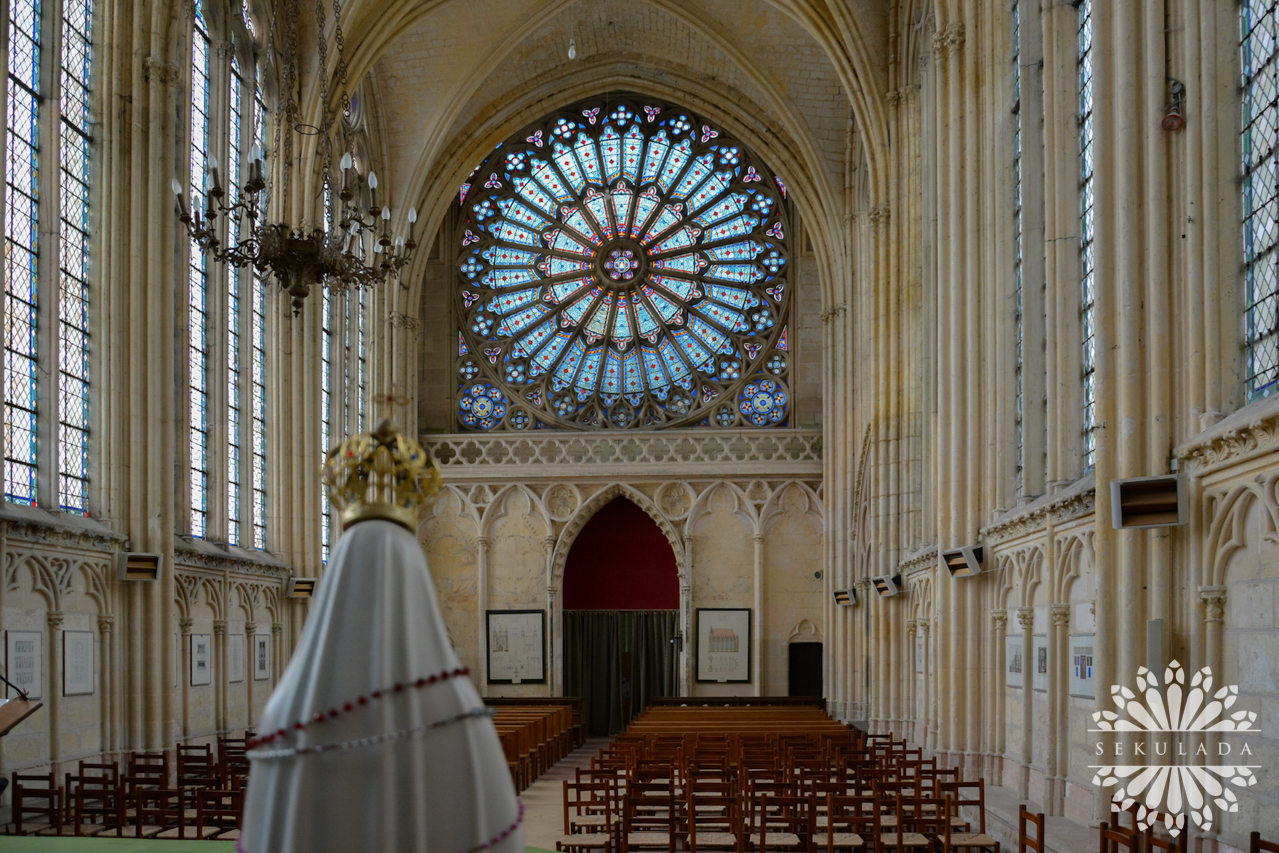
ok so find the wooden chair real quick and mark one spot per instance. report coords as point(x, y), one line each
point(714, 823)
point(648, 816)
point(160, 811)
point(97, 799)
point(850, 825)
point(1114, 837)
point(897, 837)
point(36, 795)
point(929, 817)
point(785, 823)
point(1256, 845)
point(965, 839)
point(588, 819)
point(1026, 842)
point(217, 813)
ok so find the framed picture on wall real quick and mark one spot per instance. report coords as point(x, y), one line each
point(723, 645)
point(235, 658)
point(201, 666)
point(516, 646)
point(77, 663)
point(1013, 664)
point(1081, 660)
point(1039, 648)
point(24, 662)
point(261, 657)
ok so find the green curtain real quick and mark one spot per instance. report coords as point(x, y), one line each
point(594, 643)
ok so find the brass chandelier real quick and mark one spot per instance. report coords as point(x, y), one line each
point(352, 247)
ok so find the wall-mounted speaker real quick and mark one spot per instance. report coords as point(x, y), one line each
point(845, 597)
point(140, 567)
point(963, 562)
point(300, 587)
point(1142, 502)
point(887, 585)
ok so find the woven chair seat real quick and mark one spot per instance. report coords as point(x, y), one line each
point(592, 839)
point(910, 840)
point(846, 840)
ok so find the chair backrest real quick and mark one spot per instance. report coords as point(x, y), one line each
point(36, 795)
point(966, 794)
point(108, 769)
point(714, 814)
point(1115, 837)
point(160, 807)
point(1036, 822)
point(590, 798)
point(794, 815)
point(638, 814)
point(1256, 845)
point(219, 810)
point(928, 816)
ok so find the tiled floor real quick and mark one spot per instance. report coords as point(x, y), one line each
point(544, 799)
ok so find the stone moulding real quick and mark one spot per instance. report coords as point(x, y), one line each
point(1075, 502)
point(789, 453)
point(1251, 431)
point(924, 560)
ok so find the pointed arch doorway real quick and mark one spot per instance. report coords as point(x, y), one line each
point(621, 616)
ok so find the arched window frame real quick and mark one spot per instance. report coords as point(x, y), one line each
point(49, 76)
point(1087, 261)
point(227, 329)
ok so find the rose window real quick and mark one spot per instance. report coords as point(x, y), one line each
point(622, 265)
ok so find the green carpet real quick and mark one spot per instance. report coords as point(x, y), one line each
point(14, 844)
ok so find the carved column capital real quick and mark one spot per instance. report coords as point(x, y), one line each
point(999, 619)
point(277, 628)
point(758, 538)
point(1026, 618)
point(924, 627)
point(250, 628)
point(159, 71)
point(949, 40)
point(55, 618)
point(184, 624)
point(219, 627)
point(106, 622)
point(1061, 614)
point(879, 215)
point(483, 541)
point(400, 320)
point(1214, 601)
point(911, 627)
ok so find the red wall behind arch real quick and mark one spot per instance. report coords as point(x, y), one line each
point(621, 561)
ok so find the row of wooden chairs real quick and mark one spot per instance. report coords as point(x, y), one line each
point(200, 796)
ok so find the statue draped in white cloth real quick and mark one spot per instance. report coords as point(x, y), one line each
point(375, 738)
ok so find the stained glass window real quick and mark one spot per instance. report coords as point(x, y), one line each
point(1087, 262)
point(1017, 242)
point(234, 306)
point(198, 278)
point(1260, 29)
point(623, 264)
point(258, 366)
point(73, 333)
point(21, 239)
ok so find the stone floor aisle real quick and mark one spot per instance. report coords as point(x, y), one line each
point(544, 799)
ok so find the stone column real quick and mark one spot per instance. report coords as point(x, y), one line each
point(554, 658)
point(687, 658)
point(184, 676)
point(911, 712)
point(1055, 763)
point(106, 703)
point(1214, 602)
point(1026, 619)
point(481, 601)
point(220, 676)
point(53, 693)
point(757, 639)
point(277, 652)
point(999, 671)
point(250, 631)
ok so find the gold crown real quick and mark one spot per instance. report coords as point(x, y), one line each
point(382, 474)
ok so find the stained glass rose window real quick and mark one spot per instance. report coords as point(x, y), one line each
point(623, 264)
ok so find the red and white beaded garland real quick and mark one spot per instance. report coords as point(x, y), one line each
point(370, 740)
point(355, 704)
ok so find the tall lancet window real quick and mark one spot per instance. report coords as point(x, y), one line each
point(22, 239)
point(1018, 246)
point(43, 269)
point(1087, 261)
point(227, 308)
point(198, 285)
point(1260, 114)
point(326, 415)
